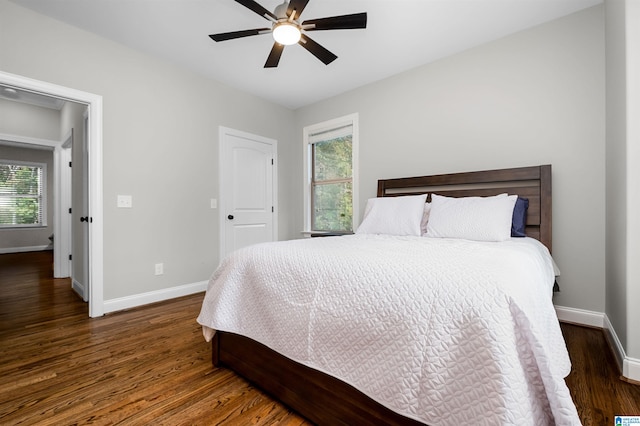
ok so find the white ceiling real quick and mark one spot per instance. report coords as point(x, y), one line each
point(400, 35)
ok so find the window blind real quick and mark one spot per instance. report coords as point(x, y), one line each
point(330, 134)
point(21, 194)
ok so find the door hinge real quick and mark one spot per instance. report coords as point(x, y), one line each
point(69, 163)
point(272, 161)
point(70, 257)
point(272, 209)
point(69, 209)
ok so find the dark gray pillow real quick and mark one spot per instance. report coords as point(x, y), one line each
point(519, 221)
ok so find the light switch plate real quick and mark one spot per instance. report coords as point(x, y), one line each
point(214, 203)
point(125, 201)
point(159, 268)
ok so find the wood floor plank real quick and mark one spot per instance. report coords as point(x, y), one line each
point(150, 365)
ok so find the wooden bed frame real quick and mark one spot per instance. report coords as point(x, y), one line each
point(326, 400)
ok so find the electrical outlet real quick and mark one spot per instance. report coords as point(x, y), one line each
point(159, 268)
point(125, 201)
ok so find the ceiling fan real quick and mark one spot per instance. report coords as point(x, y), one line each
point(287, 29)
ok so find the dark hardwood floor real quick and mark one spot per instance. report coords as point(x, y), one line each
point(143, 366)
point(595, 384)
point(150, 365)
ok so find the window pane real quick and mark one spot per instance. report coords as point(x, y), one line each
point(24, 180)
point(332, 159)
point(20, 194)
point(332, 207)
point(19, 211)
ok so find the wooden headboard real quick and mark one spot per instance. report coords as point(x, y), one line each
point(533, 183)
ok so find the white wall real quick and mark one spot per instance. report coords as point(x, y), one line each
point(160, 145)
point(633, 167)
point(623, 175)
point(29, 120)
point(616, 169)
point(536, 97)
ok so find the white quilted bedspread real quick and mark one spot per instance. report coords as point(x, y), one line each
point(444, 331)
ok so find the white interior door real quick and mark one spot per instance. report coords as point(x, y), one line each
point(80, 214)
point(247, 190)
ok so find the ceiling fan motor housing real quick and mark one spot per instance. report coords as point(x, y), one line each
point(281, 10)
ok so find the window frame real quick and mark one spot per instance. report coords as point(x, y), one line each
point(42, 196)
point(326, 126)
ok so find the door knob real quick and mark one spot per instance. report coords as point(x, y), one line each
point(84, 219)
point(230, 217)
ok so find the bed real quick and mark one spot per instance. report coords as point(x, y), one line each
point(376, 336)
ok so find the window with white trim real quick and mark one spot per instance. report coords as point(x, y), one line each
point(331, 175)
point(22, 194)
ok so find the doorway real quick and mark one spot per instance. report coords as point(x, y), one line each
point(94, 152)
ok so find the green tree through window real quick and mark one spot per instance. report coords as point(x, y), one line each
point(21, 195)
point(332, 185)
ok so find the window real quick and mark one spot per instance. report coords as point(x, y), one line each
point(22, 194)
point(330, 170)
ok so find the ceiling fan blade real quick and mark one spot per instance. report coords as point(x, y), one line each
point(343, 22)
point(250, 4)
point(298, 6)
point(316, 50)
point(238, 34)
point(274, 55)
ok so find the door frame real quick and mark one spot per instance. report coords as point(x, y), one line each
point(94, 145)
point(224, 132)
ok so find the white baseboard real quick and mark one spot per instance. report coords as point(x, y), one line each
point(136, 300)
point(24, 249)
point(630, 367)
point(78, 288)
point(580, 316)
point(614, 342)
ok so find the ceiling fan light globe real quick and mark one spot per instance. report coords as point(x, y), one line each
point(286, 34)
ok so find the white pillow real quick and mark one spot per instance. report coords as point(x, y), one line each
point(471, 218)
point(393, 215)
